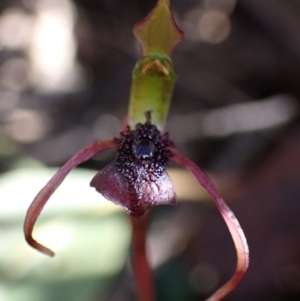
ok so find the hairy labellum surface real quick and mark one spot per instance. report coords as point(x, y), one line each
point(137, 179)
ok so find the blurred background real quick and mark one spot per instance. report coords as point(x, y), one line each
point(65, 72)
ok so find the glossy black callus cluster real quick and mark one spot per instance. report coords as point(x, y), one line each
point(137, 179)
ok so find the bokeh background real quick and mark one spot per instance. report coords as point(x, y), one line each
point(65, 69)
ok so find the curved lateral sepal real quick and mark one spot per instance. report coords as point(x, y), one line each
point(233, 225)
point(43, 196)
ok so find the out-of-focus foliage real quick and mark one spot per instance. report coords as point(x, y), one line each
point(90, 237)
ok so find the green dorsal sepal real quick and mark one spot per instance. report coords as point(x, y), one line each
point(158, 31)
point(152, 86)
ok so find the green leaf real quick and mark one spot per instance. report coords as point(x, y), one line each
point(158, 31)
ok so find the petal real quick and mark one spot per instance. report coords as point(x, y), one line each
point(43, 196)
point(159, 192)
point(233, 225)
point(138, 199)
point(112, 186)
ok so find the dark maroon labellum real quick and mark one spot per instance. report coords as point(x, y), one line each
point(137, 179)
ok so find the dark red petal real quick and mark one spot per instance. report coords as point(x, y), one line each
point(114, 187)
point(233, 225)
point(43, 196)
point(159, 192)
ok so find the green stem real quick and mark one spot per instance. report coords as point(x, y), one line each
point(142, 270)
point(152, 86)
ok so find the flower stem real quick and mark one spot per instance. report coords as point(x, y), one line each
point(142, 271)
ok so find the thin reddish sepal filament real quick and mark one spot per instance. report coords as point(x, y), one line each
point(43, 196)
point(233, 225)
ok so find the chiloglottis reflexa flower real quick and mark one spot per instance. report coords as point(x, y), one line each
point(137, 179)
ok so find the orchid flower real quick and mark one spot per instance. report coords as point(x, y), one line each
point(137, 179)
